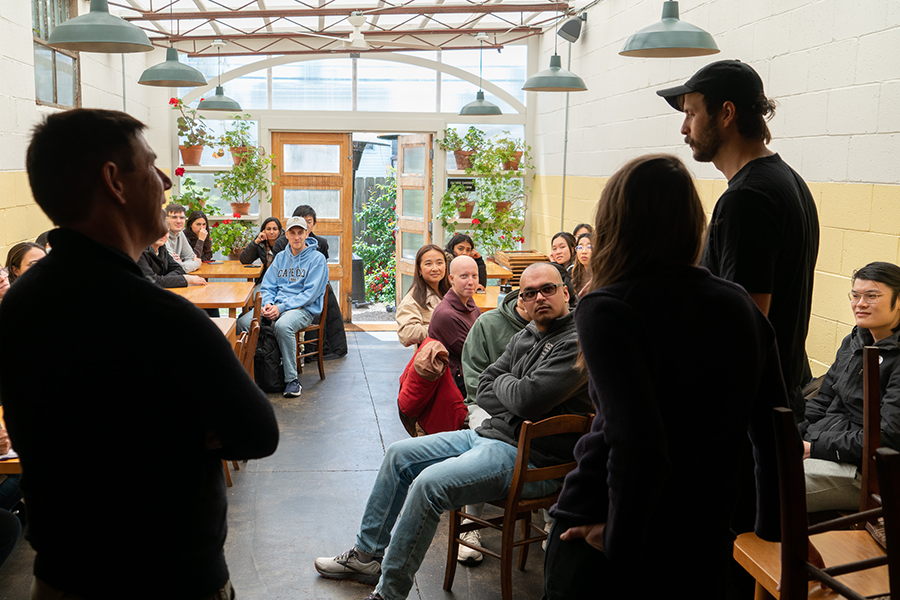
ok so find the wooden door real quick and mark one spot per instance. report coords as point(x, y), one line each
point(414, 157)
point(317, 169)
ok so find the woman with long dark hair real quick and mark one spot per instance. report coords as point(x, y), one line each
point(562, 250)
point(462, 245)
point(263, 247)
point(682, 366)
point(581, 272)
point(430, 283)
point(197, 233)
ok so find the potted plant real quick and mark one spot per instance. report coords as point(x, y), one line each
point(463, 147)
point(497, 225)
point(247, 178)
point(455, 204)
point(230, 236)
point(236, 138)
point(510, 153)
point(193, 197)
point(192, 130)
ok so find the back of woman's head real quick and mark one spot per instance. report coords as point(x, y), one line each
point(649, 217)
point(420, 288)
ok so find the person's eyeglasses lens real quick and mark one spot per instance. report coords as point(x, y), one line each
point(870, 298)
point(546, 291)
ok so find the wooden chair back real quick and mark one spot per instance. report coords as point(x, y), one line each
point(887, 463)
point(250, 347)
point(871, 427)
point(516, 508)
point(319, 340)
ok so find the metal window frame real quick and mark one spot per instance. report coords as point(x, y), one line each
point(61, 9)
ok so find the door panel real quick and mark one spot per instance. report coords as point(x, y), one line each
point(317, 169)
point(413, 205)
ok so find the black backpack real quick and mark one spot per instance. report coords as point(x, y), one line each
point(267, 366)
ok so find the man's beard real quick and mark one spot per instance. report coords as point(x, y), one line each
point(707, 146)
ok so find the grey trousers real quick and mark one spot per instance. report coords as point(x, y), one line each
point(831, 485)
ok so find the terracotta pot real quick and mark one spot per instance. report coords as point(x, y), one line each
point(513, 163)
point(241, 208)
point(190, 155)
point(235, 154)
point(466, 212)
point(463, 159)
point(502, 206)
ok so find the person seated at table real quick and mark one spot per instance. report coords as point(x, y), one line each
point(462, 245)
point(309, 214)
point(534, 379)
point(582, 228)
point(833, 428)
point(178, 244)
point(197, 234)
point(659, 420)
point(292, 296)
point(159, 267)
point(43, 240)
point(262, 248)
point(456, 313)
point(430, 284)
point(581, 273)
point(22, 257)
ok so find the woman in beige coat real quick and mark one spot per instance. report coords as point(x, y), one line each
point(430, 283)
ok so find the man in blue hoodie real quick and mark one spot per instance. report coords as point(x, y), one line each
point(292, 292)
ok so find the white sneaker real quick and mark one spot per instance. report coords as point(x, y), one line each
point(467, 554)
point(547, 525)
point(348, 566)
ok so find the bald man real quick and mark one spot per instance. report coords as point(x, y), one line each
point(533, 379)
point(454, 316)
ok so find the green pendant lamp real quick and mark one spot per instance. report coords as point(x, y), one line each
point(219, 101)
point(172, 73)
point(480, 106)
point(555, 79)
point(99, 31)
point(670, 38)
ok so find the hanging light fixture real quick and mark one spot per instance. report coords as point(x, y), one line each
point(480, 106)
point(172, 73)
point(555, 79)
point(219, 101)
point(99, 31)
point(670, 38)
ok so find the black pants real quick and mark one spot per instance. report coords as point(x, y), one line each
point(576, 570)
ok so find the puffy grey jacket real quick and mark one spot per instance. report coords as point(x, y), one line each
point(834, 418)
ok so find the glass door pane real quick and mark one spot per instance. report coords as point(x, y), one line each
point(312, 158)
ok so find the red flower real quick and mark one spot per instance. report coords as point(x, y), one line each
point(226, 222)
point(202, 99)
point(173, 101)
point(236, 215)
point(475, 222)
point(179, 171)
point(216, 224)
point(502, 237)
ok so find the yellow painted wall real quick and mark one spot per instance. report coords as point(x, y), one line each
point(859, 223)
point(21, 220)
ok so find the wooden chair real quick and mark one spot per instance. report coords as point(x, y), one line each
point(250, 347)
point(241, 346)
point(853, 554)
point(871, 428)
point(319, 327)
point(516, 508)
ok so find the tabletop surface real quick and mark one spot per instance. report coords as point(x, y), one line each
point(218, 294)
point(495, 271)
point(228, 269)
point(227, 326)
point(11, 466)
point(488, 300)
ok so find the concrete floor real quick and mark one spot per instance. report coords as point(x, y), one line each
point(307, 499)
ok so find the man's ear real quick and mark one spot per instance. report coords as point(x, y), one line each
point(727, 114)
point(112, 181)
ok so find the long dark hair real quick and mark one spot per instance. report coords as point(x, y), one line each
point(420, 288)
point(17, 254)
point(459, 238)
point(649, 217)
point(580, 271)
point(266, 222)
point(192, 237)
point(570, 242)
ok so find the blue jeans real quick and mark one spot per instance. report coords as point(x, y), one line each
point(426, 476)
point(286, 327)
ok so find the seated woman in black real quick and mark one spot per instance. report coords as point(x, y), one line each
point(197, 234)
point(462, 245)
point(263, 247)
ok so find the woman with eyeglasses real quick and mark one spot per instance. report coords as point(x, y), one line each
point(682, 367)
point(832, 431)
point(581, 273)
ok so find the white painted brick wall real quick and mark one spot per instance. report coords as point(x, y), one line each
point(832, 67)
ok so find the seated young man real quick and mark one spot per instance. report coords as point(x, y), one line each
point(292, 292)
point(534, 379)
point(160, 268)
point(833, 429)
point(454, 316)
point(178, 244)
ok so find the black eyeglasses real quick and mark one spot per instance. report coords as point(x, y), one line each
point(546, 291)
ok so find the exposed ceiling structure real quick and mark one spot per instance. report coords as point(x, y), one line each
point(253, 27)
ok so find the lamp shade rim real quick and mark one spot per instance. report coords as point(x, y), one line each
point(219, 101)
point(99, 31)
point(172, 73)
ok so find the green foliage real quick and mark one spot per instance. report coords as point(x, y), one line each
point(238, 134)
point(473, 140)
point(230, 235)
point(452, 203)
point(191, 127)
point(380, 214)
point(193, 197)
point(250, 176)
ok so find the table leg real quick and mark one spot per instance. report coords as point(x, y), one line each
point(232, 312)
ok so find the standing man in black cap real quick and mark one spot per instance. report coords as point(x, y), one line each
point(764, 231)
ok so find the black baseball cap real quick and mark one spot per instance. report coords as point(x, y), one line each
point(725, 80)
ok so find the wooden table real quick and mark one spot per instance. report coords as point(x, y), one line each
point(218, 294)
point(495, 271)
point(229, 269)
point(488, 300)
point(11, 466)
point(227, 326)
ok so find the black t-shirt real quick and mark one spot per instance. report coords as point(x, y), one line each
point(764, 235)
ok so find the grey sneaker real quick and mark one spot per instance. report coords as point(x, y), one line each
point(292, 389)
point(374, 596)
point(467, 554)
point(348, 566)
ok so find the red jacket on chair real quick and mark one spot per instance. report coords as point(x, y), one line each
point(428, 392)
